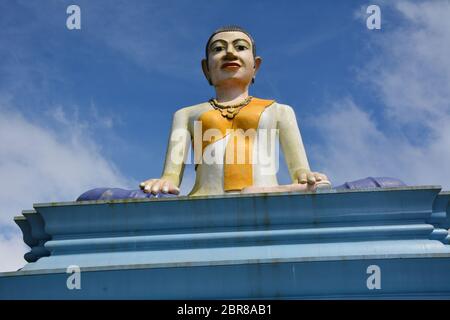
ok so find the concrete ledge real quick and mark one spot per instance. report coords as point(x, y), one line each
point(239, 246)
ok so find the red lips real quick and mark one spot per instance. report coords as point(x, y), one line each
point(231, 65)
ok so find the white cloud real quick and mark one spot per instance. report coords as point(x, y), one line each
point(361, 13)
point(355, 147)
point(411, 141)
point(12, 250)
point(39, 164)
point(413, 71)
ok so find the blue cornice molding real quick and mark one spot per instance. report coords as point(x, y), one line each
point(177, 236)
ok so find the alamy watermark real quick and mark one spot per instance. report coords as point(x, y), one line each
point(73, 21)
point(74, 280)
point(374, 280)
point(374, 20)
point(234, 146)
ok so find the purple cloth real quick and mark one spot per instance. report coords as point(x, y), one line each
point(117, 193)
point(372, 182)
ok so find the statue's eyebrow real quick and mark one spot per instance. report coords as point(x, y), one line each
point(224, 42)
point(237, 40)
point(218, 40)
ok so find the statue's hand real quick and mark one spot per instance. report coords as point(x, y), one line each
point(305, 176)
point(156, 186)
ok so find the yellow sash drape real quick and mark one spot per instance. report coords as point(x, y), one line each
point(238, 169)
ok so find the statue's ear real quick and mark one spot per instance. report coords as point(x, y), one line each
point(206, 70)
point(258, 61)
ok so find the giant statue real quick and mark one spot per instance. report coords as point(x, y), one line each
point(230, 127)
point(234, 136)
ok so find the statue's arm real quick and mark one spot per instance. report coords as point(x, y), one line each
point(176, 153)
point(178, 147)
point(291, 142)
point(293, 148)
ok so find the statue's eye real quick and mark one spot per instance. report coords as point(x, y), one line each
point(217, 49)
point(241, 48)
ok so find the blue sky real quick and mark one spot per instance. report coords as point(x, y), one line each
point(93, 107)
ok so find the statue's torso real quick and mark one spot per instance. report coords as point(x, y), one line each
point(210, 178)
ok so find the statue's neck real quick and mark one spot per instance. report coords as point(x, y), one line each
point(231, 95)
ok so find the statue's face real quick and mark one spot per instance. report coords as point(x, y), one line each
point(230, 59)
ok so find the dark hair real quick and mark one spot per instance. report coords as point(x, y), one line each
point(228, 29)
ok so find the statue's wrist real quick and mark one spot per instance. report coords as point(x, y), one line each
point(174, 180)
point(300, 171)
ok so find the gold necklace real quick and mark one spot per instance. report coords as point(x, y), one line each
point(229, 111)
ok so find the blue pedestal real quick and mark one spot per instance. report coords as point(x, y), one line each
point(378, 243)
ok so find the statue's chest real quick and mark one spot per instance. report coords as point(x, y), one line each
point(244, 120)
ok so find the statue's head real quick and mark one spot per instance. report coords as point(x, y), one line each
point(230, 57)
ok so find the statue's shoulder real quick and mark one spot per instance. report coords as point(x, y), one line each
point(281, 109)
point(281, 106)
point(193, 110)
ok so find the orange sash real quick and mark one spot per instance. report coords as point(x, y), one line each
point(238, 168)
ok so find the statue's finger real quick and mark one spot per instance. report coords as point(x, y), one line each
point(318, 176)
point(148, 188)
point(303, 178)
point(173, 189)
point(156, 187)
point(148, 185)
point(165, 187)
point(311, 178)
point(145, 183)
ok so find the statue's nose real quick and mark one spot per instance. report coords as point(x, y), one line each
point(231, 54)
